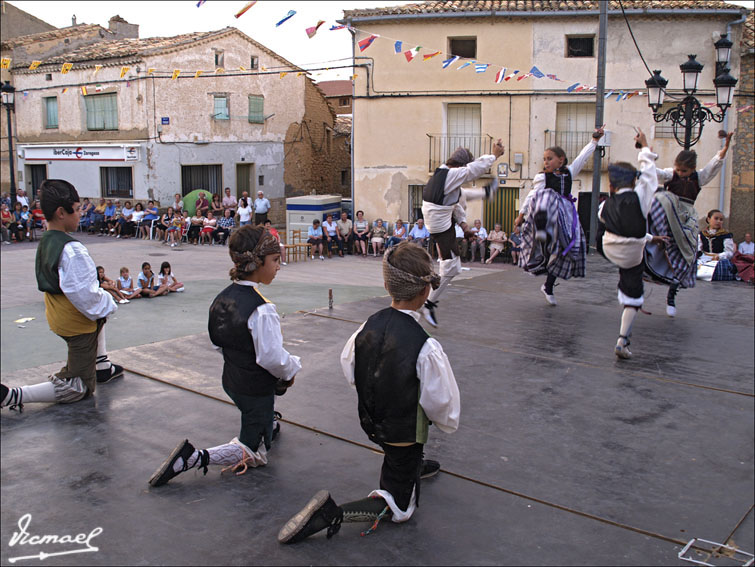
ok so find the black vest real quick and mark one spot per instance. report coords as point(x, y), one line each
point(385, 373)
point(623, 216)
point(434, 190)
point(48, 260)
point(714, 244)
point(685, 188)
point(228, 328)
point(561, 184)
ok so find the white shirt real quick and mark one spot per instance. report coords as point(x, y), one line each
point(481, 233)
point(704, 175)
point(245, 213)
point(574, 168)
point(78, 281)
point(163, 279)
point(439, 394)
point(727, 254)
point(265, 327)
point(23, 200)
point(747, 248)
point(331, 228)
point(261, 206)
point(438, 218)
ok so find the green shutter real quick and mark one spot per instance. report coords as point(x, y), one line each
point(256, 109)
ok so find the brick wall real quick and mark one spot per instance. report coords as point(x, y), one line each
point(742, 181)
point(315, 155)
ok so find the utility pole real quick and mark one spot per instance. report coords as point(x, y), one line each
point(599, 103)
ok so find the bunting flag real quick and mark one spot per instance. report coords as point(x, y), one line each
point(511, 76)
point(300, 73)
point(283, 74)
point(84, 90)
point(537, 73)
point(291, 14)
point(219, 70)
point(35, 64)
point(65, 68)
point(481, 67)
point(365, 43)
point(409, 55)
point(499, 75)
point(572, 87)
point(242, 69)
point(397, 47)
point(450, 61)
point(200, 3)
point(245, 8)
point(65, 90)
point(313, 30)
point(96, 70)
point(618, 97)
point(334, 28)
point(580, 88)
point(554, 78)
point(150, 71)
point(463, 65)
point(198, 73)
point(98, 88)
point(609, 93)
point(176, 72)
point(124, 70)
point(522, 77)
point(5, 63)
point(430, 56)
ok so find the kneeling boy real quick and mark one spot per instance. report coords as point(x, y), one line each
point(403, 381)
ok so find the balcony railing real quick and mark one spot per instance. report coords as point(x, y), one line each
point(443, 145)
point(572, 143)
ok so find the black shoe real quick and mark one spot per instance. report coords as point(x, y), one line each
point(428, 310)
point(429, 468)
point(319, 513)
point(106, 374)
point(281, 387)
point(184, 450)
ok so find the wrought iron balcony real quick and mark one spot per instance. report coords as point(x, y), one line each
point(572, 143)
point(443, 145)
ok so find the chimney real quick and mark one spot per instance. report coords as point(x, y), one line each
point(73, 20)
point(121, 29)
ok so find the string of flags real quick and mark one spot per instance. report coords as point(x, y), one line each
point(399, 46)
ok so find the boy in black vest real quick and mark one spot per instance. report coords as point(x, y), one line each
point(75, 305)
point(246, 328)
point(623, 232)
point(403, 381)
point(444, 203)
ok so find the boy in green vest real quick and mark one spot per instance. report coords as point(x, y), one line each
point(75, 305)
point(403, 381)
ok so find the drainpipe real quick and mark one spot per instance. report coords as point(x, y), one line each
point(722, 180)
point(353, 114)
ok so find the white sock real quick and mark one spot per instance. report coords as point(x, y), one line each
point(627, 318)
point(103, 362)
point(435, 294)
point(35, 394)
point(228, 454)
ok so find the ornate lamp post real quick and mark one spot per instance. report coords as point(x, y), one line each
point(9, 94)
point(689, 116)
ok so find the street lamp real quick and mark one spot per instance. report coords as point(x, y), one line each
point(688, 117)
point(9, 96)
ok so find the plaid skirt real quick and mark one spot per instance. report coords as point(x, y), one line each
point(658, 225)
point(554, 256)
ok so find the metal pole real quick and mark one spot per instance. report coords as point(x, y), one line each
point(687, 122)
point(10, 162)
point(599, 103)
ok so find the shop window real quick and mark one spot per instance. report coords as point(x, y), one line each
point(117, 182)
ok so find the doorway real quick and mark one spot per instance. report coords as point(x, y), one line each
point(245, 180)
point(36, 174)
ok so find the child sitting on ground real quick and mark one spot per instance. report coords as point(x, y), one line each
point(147, 281)
point(246, 328)
point(126, 286)
point(166, 277)
point(109, 286)
point(404, 381)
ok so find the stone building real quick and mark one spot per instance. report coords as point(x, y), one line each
point(742, 216)
point(146, 118)
point(338, 94)
point(409, 113)
point(27, 38)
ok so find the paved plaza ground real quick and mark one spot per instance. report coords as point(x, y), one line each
point(564, 455)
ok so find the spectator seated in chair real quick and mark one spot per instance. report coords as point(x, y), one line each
point(419, 234)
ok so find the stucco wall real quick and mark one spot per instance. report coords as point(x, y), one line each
point(742, 217)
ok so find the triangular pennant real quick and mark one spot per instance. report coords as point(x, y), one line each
point(450, 61)
point(150, 71)
point(242, 69)
point(397, 47)
point(245, 8)
point(35, 64)
point(219, 70)
point(365, 43)
point(283, 74)
point(511, 75)
point(572, 87)
point(521, 77)
point(176, 72)
point(124, 70)
point(96, 70)
point(409, 55)
point(334, 28)
point(5, 63)
point(463, 65)
point(84, 90)
point(198, 73)
point(313, 30)
point(291, 14)
point(430, 56)
point(481, 67)
point(499, 75)
point(65, 68)
point(537, 73)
